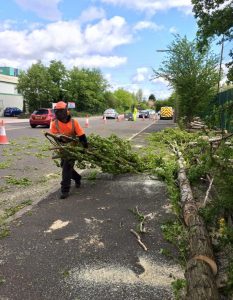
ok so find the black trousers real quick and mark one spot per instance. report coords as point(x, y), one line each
point(68, 173)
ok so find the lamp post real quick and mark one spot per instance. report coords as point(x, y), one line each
point(164, 50)
point(176, 102)
point(221, 113)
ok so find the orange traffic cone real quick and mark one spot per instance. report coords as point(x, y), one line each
point(87, 122)
point(3, 137)
point(143, 118)
point(105, 120)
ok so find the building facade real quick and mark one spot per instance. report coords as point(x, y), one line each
point(9, 96)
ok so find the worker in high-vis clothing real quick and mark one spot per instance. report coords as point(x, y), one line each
point(63, 124)
point(135, 112)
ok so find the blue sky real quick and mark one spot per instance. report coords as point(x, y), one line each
point(118, 36)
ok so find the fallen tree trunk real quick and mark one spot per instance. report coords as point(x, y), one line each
point(201, 267)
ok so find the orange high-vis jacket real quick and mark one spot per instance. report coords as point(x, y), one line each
point(71, 128)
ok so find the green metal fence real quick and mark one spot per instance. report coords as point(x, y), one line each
point(220, 111)
point(224, 103)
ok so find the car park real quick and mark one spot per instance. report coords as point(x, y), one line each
point(42, 116)
point(110, 113)
point(12, 111)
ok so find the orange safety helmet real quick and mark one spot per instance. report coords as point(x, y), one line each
point(60, 105)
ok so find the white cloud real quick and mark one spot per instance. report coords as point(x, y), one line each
point(173, 29)
point(67, 41)
point(7, 24)
point(141, 75)
point(108, 34)
point(92, 13)
point(96, 61)
point(162, 94)
point(224, 73)
point(187, 10)
point(147, 25)
point(152, 6)
point(161, 88)
point(16, 63)
point(160, 80)
point(108, 77)
point(44, 9)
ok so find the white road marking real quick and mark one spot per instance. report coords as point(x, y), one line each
point(16, 128)
point(134, 135)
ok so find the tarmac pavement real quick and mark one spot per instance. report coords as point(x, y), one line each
point(9, 120)
point(82, 247)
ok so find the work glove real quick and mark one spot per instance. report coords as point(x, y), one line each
point(83, 141)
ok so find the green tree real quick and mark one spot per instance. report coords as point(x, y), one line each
point(41, 86)
point(58, 75)
point(193, 76)
point(152, 97)
point(160, 103)
point(86, 87)
point(111, 100)
point(215, 18)
point(125, 99)
point(143, 105)
point(152, 101)
point(35, 86)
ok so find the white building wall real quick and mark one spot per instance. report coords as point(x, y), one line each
point(10, 101)
point(8, 88)
point(9, 96)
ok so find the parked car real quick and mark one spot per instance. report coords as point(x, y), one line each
point(128, 116)
point(144, 114)
point(12, 111)
point(151, 112)
point(110, 114)
point(42, 116)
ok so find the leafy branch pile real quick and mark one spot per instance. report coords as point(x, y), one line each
point(204, 160)
point(209, 166)
point(112, 155)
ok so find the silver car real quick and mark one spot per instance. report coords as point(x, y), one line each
point(110, 114)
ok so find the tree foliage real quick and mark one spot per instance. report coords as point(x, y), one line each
point(152, 97)
point(125, 99)
point(86, 87)
point(215, 18)
point(111, 154)
point(41, 86)
point(36, 87)
point(192, 74)
point(58, 75)
point(168, 102)
point(139, 95)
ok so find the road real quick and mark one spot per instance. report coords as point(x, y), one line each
point(82, 248)
point(97, 125)
point(27, 171)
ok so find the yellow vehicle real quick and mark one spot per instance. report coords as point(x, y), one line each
point(166, 113)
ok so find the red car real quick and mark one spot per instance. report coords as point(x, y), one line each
point(42, 116)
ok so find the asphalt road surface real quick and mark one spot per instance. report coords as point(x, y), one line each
point(97, 125)
point(82, 248)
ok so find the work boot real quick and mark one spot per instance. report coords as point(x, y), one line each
point(64, 195)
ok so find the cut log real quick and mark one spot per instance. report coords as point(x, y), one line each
point(201, 268)
point(203, 282)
